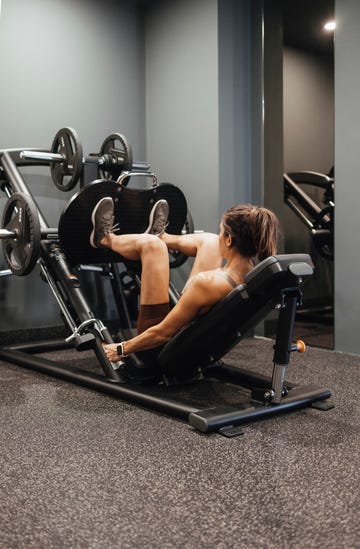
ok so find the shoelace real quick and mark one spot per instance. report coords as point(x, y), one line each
point(160, 223)
point(114, 228)
point(107, 225)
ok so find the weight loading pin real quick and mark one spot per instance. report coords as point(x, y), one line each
point(299, 346)
point(4, 233)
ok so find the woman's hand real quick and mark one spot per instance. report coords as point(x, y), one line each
point(111, 352)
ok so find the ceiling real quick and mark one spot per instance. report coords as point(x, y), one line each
point(303, 22)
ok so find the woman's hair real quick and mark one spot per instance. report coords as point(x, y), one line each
point(254, 230)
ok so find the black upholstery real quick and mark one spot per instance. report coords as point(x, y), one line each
point(210, 337)
point(131, 211)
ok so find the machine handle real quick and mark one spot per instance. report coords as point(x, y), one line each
point(127, 175)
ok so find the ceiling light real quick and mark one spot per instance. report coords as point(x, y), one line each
point(330, 26)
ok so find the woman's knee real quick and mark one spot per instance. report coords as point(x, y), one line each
point(150, 244)
point(209, 237)
point(208, 240)
point(208, 254)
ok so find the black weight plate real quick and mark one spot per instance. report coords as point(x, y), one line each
point(118, 156)
point(131, 210)
point(20, 215)
point(67, 173)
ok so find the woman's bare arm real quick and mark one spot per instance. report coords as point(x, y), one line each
point(205, 290)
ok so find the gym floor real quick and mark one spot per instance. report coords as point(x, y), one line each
point(84, 470)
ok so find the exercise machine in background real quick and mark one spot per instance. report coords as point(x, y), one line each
point(310, 196)
point(319, 220)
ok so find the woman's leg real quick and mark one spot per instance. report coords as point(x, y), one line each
point(154, 257)
point(146, 248)
point(204, 247)
point(154, 290)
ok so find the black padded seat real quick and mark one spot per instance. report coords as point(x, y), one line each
point(210, 337)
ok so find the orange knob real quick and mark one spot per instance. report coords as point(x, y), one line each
point(301, 347)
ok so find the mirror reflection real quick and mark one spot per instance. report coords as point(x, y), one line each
point(308, 162)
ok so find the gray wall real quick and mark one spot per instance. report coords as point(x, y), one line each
point(182, 101)
point(308, 111)
point(65, 63)
point(182, 119)
point(173, 76)
point(347, 147)
point(273, 107)
point(197, 101)
point(237, 177)
point(198, 86)
point(71, 63)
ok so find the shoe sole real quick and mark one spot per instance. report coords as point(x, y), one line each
point(92, 234)
point(151, 217)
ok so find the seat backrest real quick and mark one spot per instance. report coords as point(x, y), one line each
point(211, 336)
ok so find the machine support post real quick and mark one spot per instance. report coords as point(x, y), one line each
point(17, 182)
point(59, 269)
point(282, 348)
point(120, 299)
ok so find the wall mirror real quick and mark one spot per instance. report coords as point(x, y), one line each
point(308, 157)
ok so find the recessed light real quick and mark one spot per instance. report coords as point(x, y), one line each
point(330, 25)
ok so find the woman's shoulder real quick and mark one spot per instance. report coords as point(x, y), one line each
point(217, 276)
point(209, 281)
point(213, 281)
point(206, 276)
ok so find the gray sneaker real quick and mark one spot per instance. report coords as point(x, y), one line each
point(102, 218)
point(158, 219)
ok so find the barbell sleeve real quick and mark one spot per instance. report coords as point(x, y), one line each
point(46, 234)
point(4, 233)
point(42, 156)
point(6, 272)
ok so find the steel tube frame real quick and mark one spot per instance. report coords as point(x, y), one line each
point(133, 393)
point(198, 416)
point(57, 266)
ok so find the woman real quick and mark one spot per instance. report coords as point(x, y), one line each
point(221, 262)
